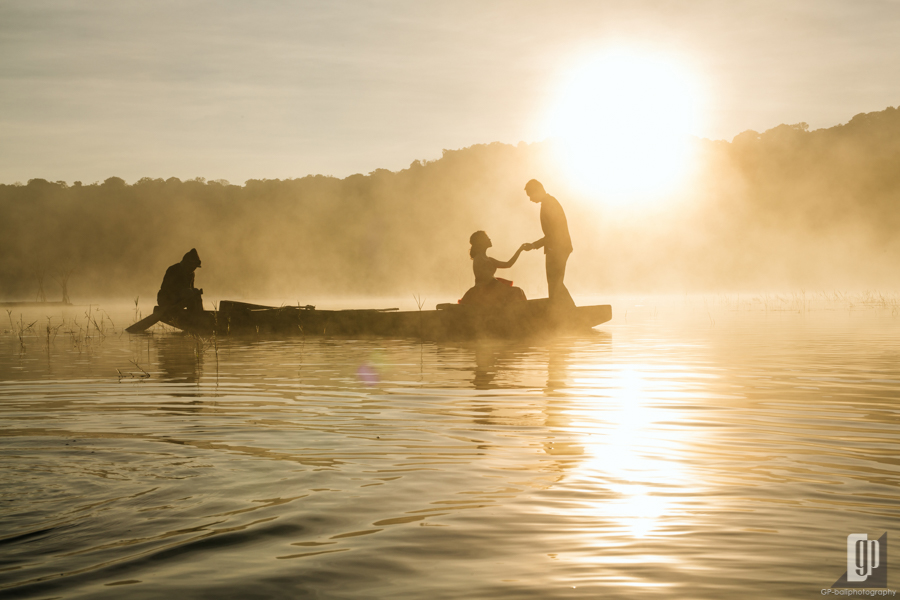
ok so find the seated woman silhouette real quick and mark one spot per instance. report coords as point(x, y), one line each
point(490, 290)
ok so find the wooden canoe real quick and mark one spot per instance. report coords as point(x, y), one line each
point(449, 321)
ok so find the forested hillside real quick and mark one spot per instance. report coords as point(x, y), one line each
point(787, 207)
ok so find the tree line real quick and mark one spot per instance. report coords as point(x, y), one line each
point(788, 206)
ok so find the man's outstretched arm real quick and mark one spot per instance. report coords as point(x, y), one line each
point(537, 244)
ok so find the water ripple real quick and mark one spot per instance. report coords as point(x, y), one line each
point(666, 457)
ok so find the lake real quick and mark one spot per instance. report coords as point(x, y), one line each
point(690, 448)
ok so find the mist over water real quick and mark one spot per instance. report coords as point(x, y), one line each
point(692, 447)
point(788, 209)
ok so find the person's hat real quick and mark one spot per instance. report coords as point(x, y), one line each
point(192, 256)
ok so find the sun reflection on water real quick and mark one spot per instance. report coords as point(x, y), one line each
point(630, 444)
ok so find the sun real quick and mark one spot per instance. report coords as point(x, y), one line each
point(622, 121)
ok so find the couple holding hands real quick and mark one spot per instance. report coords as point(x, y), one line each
point(557, 245)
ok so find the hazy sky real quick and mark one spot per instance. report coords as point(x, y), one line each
point(266, 89)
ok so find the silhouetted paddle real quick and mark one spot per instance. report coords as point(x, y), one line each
point(148, 322)
point(228, 305)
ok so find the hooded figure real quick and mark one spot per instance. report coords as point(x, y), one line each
point(178, 284)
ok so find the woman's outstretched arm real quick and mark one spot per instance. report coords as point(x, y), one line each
point(512, 261)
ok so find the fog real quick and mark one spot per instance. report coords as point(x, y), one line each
point(788, 208)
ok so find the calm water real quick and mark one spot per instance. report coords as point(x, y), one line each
point(685, 450)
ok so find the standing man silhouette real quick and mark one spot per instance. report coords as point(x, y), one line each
point(556, 243)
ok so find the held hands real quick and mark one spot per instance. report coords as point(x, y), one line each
point(526, 247)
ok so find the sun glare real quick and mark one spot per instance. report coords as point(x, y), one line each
point(623, 122)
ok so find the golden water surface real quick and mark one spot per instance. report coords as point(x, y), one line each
point(679, 451)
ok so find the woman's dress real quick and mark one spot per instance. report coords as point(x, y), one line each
point(489, 290)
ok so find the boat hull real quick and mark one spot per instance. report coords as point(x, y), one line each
point(453, 321)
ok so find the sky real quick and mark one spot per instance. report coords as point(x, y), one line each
point(274, 89)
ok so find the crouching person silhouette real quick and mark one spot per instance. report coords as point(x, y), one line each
point(178, 285)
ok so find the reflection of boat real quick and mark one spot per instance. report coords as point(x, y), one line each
point(179, 362)
point(448, 321)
